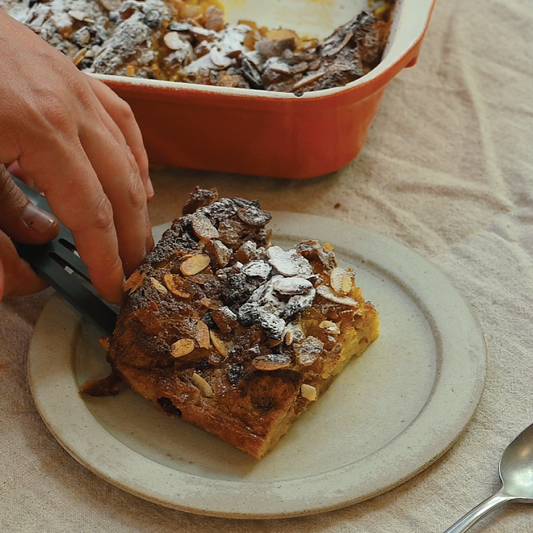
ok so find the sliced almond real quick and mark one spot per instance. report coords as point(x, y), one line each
point(176, 285)
point(173, 40)
point(254, 216)
point(335, 278)
point(308, 392)
point(202, 279)
point(80, 16)
point(203, 228)
point(158, 286)
point(282, 34)
point(182, 347)
point(330, 327)
point(79, 56)
point(341, 280)
point(202, 335)
point(134, 281)
point(328, 294)
point(289, 337)
point(347, 283)
point(271, 362)
point(222, 253)
point(221, 346)
point(194, 264)
point(309, 350)
point(210, 304)
point(203, 385)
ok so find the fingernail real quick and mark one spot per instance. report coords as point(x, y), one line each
point(149, 189)
point(37, 219)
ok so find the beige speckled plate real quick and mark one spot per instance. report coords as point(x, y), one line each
point(387, 417)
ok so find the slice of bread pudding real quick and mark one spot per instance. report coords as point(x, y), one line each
point(232, 333)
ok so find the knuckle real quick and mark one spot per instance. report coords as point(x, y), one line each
point(53, 111)
point(136, 193)
point(123, 111)
point(103, 214)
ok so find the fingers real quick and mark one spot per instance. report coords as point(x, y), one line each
point(15, 170)
point(16, 276)
point(22, 222)
point(79, 201)
point(120, 180)
point(79, 143)
point(123, 117)
point(19, 218)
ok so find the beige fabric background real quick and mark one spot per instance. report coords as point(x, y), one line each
point(447, 171)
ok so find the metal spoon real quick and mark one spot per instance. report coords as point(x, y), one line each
point(516, 473)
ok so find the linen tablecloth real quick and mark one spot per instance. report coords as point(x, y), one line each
point(447, 171)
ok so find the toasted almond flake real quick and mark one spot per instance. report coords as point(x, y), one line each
point(308, 79)
point(221, 346)
point(289, 337)
point(271, 362)
point(182, 347)
point(330, 327)
point(326, 292)
point(210, 304)
point(173, 40)
point(158, 286)
point(176, 285)
point(293, 333)
point(134, 282)
point(79, 56)
point(254, 216)
point(347, 283)
point(222, 253)
point(335, 278)
point(195, 264)
point(202, 335)
point(203, 228)
point(203, 385)
point(78, 15)
point(309, 350)
point(308, 392)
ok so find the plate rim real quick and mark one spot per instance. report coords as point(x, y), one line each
point(285, 225)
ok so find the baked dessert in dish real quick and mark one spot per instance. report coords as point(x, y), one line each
point(232, 333)
point(189, 41)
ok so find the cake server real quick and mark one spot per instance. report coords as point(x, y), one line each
point(58, 263)
point(516, 474)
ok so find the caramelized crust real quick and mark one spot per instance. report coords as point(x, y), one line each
point(189, 41)
point(231, 333)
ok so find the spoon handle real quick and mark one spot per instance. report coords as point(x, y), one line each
point(478, 512)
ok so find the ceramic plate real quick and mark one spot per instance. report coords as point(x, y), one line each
point(387, 417)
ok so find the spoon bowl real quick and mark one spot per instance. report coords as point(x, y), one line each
point(516, 474)
point(516, 467)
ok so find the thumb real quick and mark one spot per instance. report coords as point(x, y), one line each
point(21, 220)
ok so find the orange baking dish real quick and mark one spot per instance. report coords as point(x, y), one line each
point(265, 133)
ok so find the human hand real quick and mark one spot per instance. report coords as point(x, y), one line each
point(22, 222)
point(80, 144)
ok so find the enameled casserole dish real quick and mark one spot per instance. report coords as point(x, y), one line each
point(265, 133)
